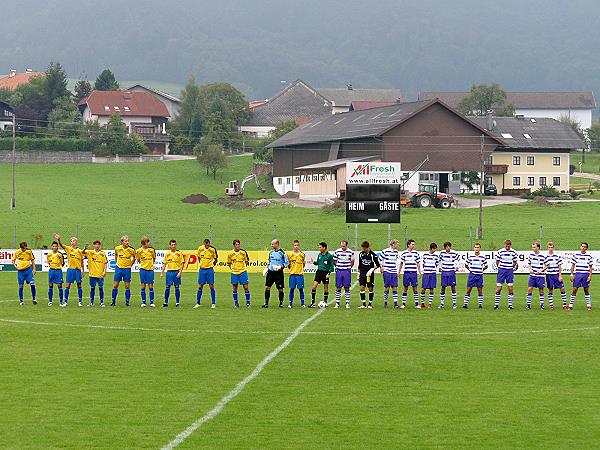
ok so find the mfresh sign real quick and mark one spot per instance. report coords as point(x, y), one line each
point(373, 173)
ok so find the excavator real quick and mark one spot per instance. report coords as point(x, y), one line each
point(236, 189)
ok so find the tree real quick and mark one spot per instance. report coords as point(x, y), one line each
point(189, 120)
point(83, 88)
point(226, 100)
point(115, 135)
point(56, 82)
point(594, 136)
point(483, 98)
point(212, 157)
point(574, 124)
point(65, 118)
point(266, 154)
point(106, 81)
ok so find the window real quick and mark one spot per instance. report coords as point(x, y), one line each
point(530, 181)
point(531, 160)
point(542, 181)
point(507, 135)
point(526, 136)
point(489, 180)
point(555, 181)
point(127, 108)
point(117, 108)
point(106, 108)
point(488, 161)
point(280, 181)
point(288, 180)
point(297, 180)
point(516, 181)
point(556, 160)
point(516, 160)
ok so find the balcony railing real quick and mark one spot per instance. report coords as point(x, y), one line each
point(496, 169)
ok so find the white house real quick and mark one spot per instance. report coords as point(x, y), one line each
point(554, 105)
point(171, 102)
point(141, 112)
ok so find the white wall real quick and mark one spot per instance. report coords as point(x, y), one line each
point(583, 116)
point(286, 184)
point(260, 131)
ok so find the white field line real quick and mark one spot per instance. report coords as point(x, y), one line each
point(242, 384)
point(312, 333)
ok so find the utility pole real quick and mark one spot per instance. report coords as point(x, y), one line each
point(14, 161)
point(482, 175)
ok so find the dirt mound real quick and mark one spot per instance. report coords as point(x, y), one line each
point(196, 199)
point(291, 194)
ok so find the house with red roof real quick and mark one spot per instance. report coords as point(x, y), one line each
point(141, 112)
point(14, 79)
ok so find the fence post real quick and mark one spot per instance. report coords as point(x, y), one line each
point(389, 232)
point(405, 234)
point(274, 231)
point(153, 234)
point(355, 236)
point(348, 233)
point(470, 237)
point(15, 236)
point(541, 234)
point(77, 231)
point(210, 232)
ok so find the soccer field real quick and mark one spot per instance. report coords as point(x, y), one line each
point(132, 377)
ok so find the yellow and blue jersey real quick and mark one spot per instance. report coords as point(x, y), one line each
point(96, 263)
point(124, 256)
point(23, 258)
point(146, 257)
point(55, 260)
point(238, 261)
point(207, 257)
point(297, 261)
point(74, 257)
point(174, 260)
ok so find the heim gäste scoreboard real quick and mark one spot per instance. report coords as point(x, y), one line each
point(373, 192)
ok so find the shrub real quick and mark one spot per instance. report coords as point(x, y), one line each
point(545, 191)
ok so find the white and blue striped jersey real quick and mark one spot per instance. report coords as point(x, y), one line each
point(537, 262)
point(410, 259)
point(505, 259)
point(430, 262)
point(476, 263)
point(343, 258)
point(388, 258)
point(553, 264)
point(583, 262)
point(448, 261)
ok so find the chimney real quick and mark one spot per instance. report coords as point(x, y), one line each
point(520, 116)
point(490, 122)
point(28, 70)
point(13, 72)
point(350, 87)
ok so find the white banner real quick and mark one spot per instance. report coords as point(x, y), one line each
point(40, 259)
point(373, 173)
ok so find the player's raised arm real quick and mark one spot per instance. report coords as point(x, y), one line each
point(57, 237)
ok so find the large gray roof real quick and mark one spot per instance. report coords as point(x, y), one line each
point(350, 125)
point(526, 100)
point(544, 133)
point(298, 103)
point(345, 97)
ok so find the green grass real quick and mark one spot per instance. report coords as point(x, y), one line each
point(352, 379)
point(105, 201)
point(591, 164)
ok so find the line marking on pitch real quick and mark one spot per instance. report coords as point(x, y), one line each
point(242, 384)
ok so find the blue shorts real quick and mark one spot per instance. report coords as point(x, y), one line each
point(448, 278)
point(146, 276)
point(410, 279)
point(240, 278)
point(55, 276)
point(553, 282)
point(475, 280)
point(429, 281)
point(96, 281)
point(25, 275)
point(172, 279)
point(73, 276)
point(206, 276)
point(390, 279)
point(505, 276)
point(122, 274)
point(581, 280)
point(343, 278)
point(296, 281)
point(536, 282)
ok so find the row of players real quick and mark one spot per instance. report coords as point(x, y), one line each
point(544, 270)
